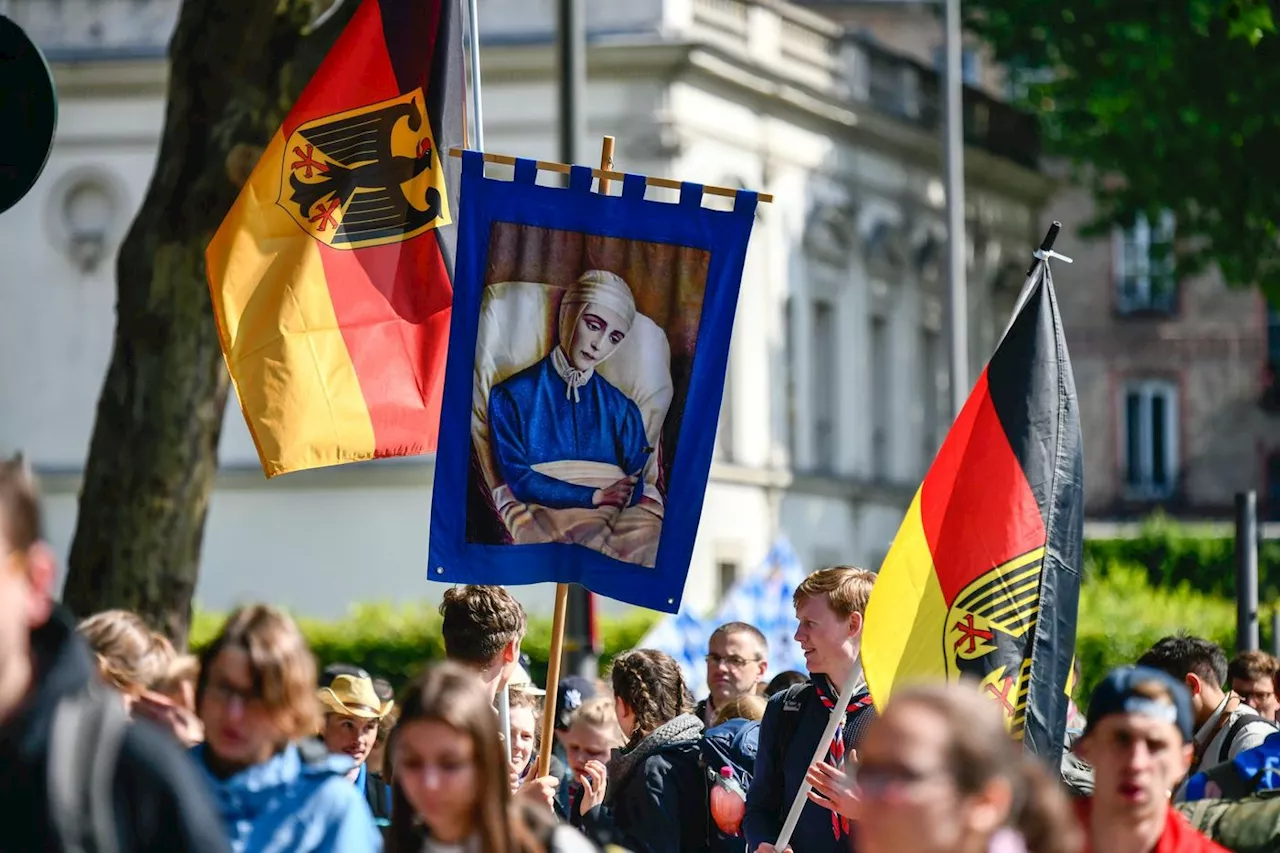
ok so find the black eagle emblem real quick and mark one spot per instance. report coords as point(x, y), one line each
point(362, 176)
point(989, 631)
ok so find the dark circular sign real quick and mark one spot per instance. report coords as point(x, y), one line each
point(28, 113)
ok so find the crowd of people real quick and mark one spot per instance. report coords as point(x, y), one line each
point(111, 740)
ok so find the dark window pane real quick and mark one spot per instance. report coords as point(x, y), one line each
point(1133, 437)
point(1159, 419)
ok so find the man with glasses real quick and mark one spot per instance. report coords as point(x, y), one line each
point(737, 659)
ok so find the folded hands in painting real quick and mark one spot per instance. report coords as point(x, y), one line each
point(616, 495)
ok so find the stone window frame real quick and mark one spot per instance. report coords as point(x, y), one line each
point(1144, 284)
point(1142, 484)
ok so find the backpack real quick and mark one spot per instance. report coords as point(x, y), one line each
point(732, 744)
point(795, 697)
point(1243, 826)
point(84, 744)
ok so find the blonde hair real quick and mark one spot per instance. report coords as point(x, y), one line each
point(846, 588)
point(598, 713)
point(749, 706)
point(130, 656)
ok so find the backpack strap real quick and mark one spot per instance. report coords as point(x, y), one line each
point(84, 745)
point(378, 794)
point(1237, 726)
point(793, 702)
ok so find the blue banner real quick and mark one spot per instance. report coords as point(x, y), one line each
point(587, 357)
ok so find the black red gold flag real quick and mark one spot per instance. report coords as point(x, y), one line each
point(332, 273)
point(983, 578)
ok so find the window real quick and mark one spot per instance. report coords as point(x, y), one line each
point(1144, 266)
point(1273, 337)
point(823, 393)
point(970, 64)
point(931, 388)
point(1150, 425)
point(726, 576)
point(879, 402)
point(1270, 508)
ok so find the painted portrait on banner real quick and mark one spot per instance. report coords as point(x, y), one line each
point(588, 346)
point(584, 350)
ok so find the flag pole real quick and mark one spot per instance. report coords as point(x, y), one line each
point(562, 589)
point(819, 754)
point(477, 113)
point(473, 37)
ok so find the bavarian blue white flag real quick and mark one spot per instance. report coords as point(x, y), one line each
point(762, 599)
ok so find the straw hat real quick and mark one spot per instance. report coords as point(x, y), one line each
point(354, 696)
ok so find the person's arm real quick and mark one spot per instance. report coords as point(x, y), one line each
point(766, 793)
point(509, 450)
point(163, 803)
point(632, 437)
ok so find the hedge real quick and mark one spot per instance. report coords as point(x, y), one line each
point(1136, 591)
point(1172, 552)
point(395, 642)
point(1122, 615)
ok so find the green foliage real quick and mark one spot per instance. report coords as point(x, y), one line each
point(1174, 553)
point(1175, 97)
point(1122, 615)
point(395, 642)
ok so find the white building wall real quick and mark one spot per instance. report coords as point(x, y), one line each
point(321, 541)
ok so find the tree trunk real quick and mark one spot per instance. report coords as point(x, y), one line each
point(236, 67)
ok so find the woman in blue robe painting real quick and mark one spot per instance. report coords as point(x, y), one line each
point(570, 446)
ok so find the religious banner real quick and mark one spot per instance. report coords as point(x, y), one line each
point(587, 357)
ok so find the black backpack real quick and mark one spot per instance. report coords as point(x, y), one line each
point(795, 698)
point(84, 744)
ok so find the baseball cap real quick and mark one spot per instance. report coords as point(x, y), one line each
point(572, 691)
point(1118, 694)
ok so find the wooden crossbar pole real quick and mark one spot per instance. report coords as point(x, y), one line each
point(562, 589)
point(609, 175)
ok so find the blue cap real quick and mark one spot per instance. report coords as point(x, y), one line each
point(1116, 694)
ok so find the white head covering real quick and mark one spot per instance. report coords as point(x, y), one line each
point(593, 287)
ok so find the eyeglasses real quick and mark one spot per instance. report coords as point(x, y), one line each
point(224, 693)
point(870, 781)
point(731, 661)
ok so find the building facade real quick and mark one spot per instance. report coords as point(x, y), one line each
point(836, 397)
point(1179, 399)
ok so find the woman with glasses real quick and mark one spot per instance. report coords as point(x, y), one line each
point(937, 773)
point(277, 788)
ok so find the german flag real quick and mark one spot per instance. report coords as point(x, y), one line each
point(983, 578)
point(332, 273)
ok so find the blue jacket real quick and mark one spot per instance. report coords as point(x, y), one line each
point(288, 805)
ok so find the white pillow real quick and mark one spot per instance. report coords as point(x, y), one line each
point(518, 328)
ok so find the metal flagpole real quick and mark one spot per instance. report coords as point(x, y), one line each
point(953, 135)
point(477, 112)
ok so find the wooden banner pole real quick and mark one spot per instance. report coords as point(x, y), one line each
point(562, 589)
point(609, 175)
